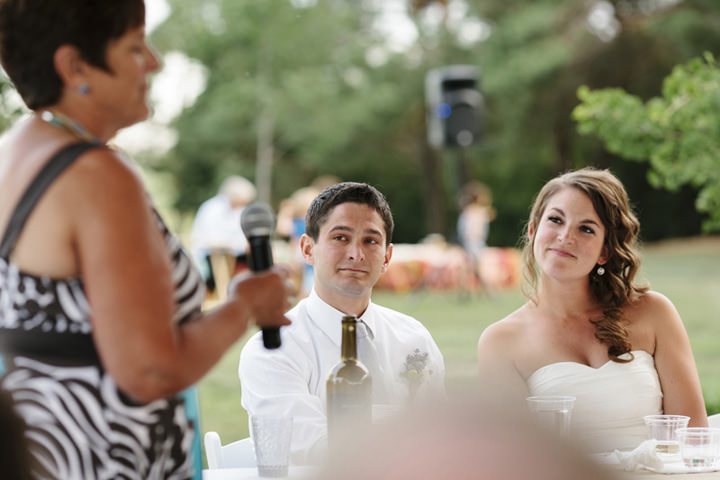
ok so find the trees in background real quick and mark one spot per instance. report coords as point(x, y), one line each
point(311, 87)
point(534, 63)
point(11, 106)
point(678, 133)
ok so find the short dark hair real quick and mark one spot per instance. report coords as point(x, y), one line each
point(347, 192)
point(32, 30)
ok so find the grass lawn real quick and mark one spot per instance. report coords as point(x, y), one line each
point(687, 272)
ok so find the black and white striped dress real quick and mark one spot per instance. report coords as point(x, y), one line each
point(79, 425)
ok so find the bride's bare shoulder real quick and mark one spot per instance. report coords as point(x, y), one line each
point(507, 332)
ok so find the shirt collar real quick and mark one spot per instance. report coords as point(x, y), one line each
point(328, 319)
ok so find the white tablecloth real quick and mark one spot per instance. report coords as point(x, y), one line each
point(299, 473)
point(610, 461)
point(648, 475)
point(308, 473)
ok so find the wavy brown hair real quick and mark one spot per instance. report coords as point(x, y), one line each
point(615, 289)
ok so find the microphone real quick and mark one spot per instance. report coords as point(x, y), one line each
point(257, 222)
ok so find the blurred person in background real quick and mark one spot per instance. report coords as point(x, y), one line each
point(589, 330)
point(100, 320)
point(216, 226)
point(291, 225)
point(300, 201)
point(473, 226)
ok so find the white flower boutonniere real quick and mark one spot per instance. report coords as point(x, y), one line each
point(416, 371)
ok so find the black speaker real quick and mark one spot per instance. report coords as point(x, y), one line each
point(454, 105)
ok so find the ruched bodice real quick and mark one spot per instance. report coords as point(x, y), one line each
point(610, 400)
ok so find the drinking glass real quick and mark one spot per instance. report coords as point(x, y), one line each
point(271, 436)
point(662, 429)
point(699, 447)
point(552, 411)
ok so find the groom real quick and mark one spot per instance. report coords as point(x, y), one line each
point(349, 229)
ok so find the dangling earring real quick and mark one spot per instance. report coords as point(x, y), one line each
point(600, 271)
point(84, 89)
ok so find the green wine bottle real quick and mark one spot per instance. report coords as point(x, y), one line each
point(349, 389)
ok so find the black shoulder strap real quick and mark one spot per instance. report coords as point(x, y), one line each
point(40, 183)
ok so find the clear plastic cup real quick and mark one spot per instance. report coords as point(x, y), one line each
point(662, 429)
point(271, 436)
point(699, 447)
point(552, 411)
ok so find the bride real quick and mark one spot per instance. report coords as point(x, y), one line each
point(588, 330)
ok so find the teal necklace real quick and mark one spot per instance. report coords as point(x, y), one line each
point(67, 123)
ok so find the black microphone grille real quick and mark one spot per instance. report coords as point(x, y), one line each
point(257, 220)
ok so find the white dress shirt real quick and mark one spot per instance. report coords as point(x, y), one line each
point(291, 379)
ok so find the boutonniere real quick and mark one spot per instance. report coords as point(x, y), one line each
point(416, 371)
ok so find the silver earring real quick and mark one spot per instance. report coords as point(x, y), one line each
point(84, 89)
point(601, 270)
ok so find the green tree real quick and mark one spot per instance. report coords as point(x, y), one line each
point(678, 133)
point(11, 106)
point(330, 104)
point(325, 107)
point(288, 70)
point(533, 63)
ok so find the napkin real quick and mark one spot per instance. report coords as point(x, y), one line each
point(643, 456)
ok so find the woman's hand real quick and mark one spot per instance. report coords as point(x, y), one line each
point(264, 295)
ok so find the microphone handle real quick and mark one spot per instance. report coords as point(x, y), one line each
point(261, 259)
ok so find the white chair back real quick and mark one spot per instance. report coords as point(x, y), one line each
point(237, 454)
point(714, 420)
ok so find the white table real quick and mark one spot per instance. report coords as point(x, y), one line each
point(645, 474)
point(610, 461)
point(307, 473)
point(299, 473)
point(648, 475)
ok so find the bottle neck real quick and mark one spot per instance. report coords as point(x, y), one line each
point(349, 339)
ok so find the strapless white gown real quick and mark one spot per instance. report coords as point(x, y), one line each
point(610, 400)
